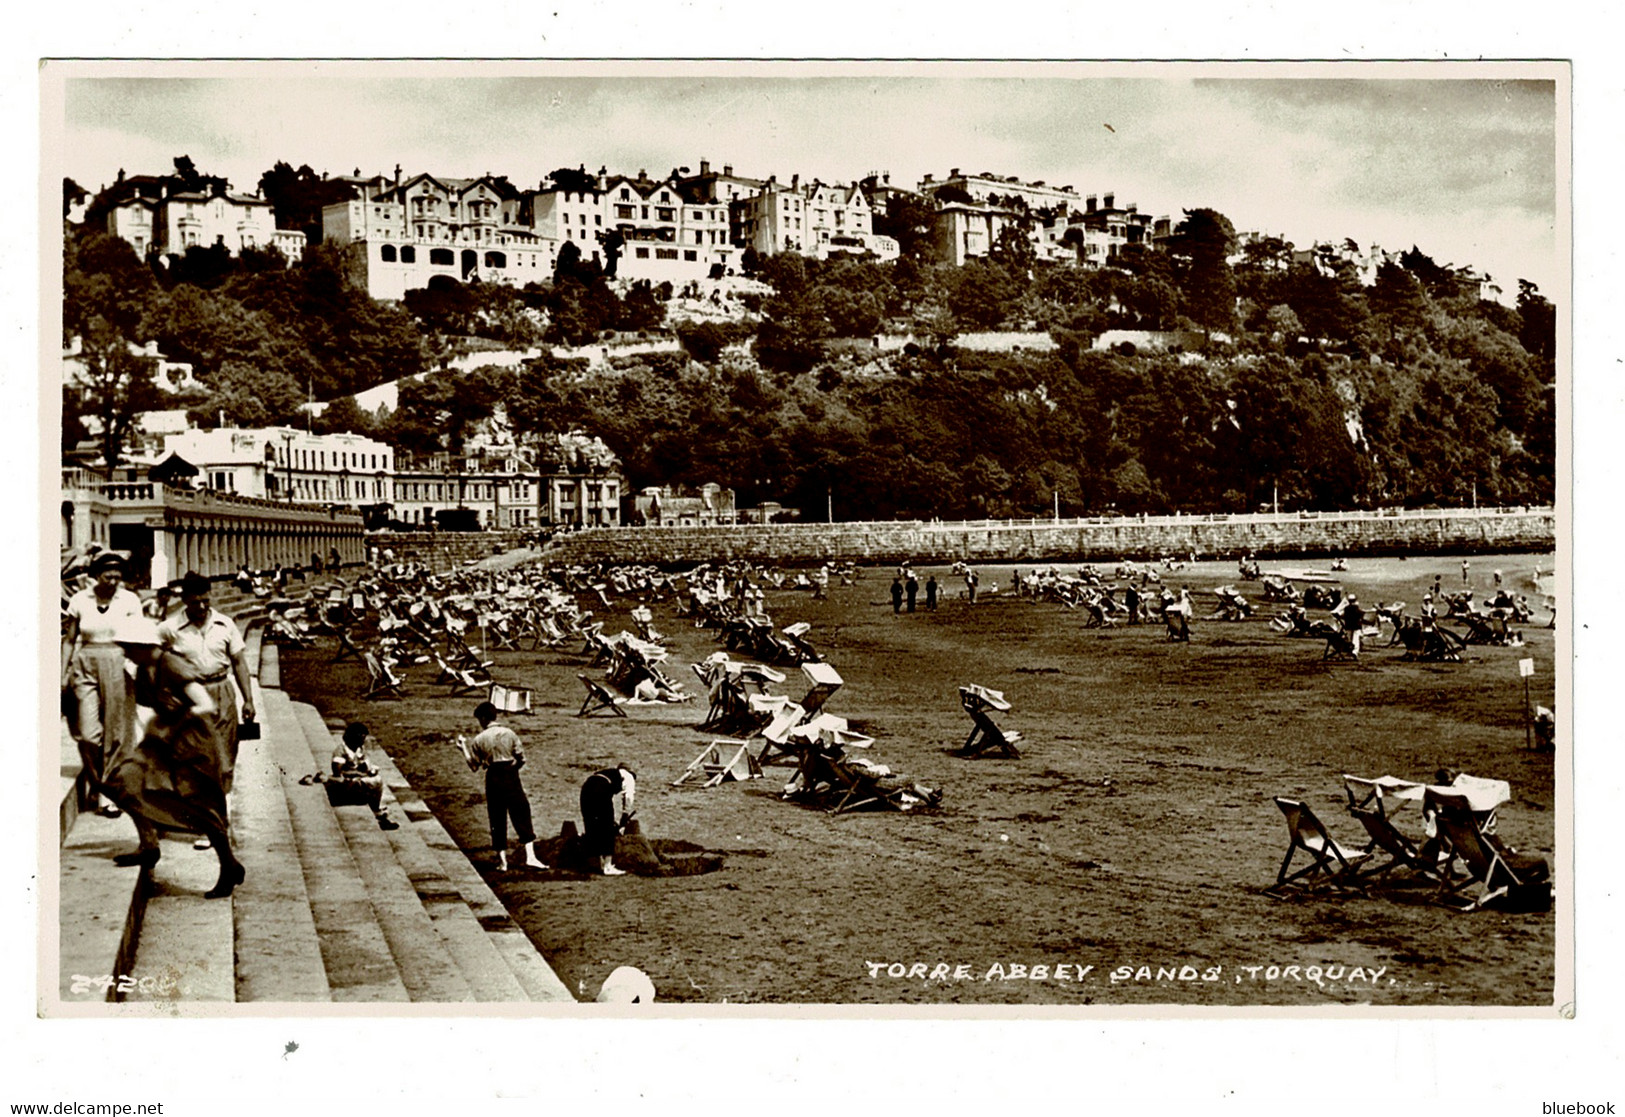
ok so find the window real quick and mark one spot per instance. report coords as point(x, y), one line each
point(624, 193)
point(623, 211)
point(597, 219)
point(496, 260)
point(645, 210)
point(690, 255)
point(409, 255)
point(665, 254)
point(665, 214)
point(643, 253)
point(442, 256)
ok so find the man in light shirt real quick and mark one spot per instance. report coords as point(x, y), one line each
point(500, 752)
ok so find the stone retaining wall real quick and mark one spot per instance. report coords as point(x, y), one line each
point(443, 550)
point(1271, 536)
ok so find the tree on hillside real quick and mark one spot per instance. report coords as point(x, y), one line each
point(910, 220)
point(250, 396)
point(641, 309)
point(188, 178)
point(297, 197)
point(1013, 249)
point(1441, 281)
point(1202, 245)
point(344, 416)
point(574, 180)
point(72, 194)
point(103, 278)
point(115, 386)
point(1538, 334)
point(444, 306)
point(613, 244)
point(982, 294)
point(1397, 299)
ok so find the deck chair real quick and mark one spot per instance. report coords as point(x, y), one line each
point(1329, 863)
point(796, 636)
point(854, 783)
point(381, 681)
point(985, 736)
point(461, 680)
point(469, 659)
point(721, 761)
point(1179, 627)
point(1501, 876)
point(348, 647)
point(825, 682)
point(778, 746)
point(598, 700)
point(1367, 805)
point(510, 700)
point(1338, 643)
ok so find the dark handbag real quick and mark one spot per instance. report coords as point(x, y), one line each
point(248, 731)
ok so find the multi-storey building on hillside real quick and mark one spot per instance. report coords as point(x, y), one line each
point(431, 225)
point(156, 216)
point(669, 231)
point(1001, 189)
point(965, 231)
point(725, 187)
point(818, 219)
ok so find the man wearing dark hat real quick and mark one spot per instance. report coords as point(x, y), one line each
point(165, 600)
point(203, 646)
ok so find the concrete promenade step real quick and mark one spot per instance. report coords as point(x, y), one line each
point(185, 940)
point(425, 966)
point(355, 954)
point(497, 957)
point(100, 907)
point(527, 965)
point(278, 954)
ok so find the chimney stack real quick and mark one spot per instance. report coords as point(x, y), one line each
point(1109, 199)
point(705, 167)
point(728, 169)
point(1089, 204)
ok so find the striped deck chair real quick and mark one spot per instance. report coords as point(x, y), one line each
point(510, 700)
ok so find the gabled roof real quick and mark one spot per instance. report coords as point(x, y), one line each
point(643, 184)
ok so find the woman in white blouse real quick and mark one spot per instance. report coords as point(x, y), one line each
point(93, 668)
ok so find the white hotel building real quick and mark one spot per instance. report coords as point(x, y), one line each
point(285, 463)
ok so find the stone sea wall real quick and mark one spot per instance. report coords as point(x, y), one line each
point(1449, 531)
point(443, 550)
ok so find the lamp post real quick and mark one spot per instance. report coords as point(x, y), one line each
point(287, 460)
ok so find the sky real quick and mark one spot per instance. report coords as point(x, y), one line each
point(1464, 166)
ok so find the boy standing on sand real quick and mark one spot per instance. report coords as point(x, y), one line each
point(499, 751)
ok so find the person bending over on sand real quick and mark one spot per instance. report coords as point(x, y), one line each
point(600, 821)
point(499, 751)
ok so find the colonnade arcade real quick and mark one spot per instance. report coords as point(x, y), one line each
point(215, 545)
